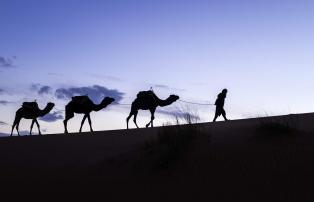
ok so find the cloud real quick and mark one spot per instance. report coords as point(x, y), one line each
point(179, 113)
point(171, 113)
point(106, 77)
point(44, 90)
point(40, 89)
point(55, 74)
point(4, 102)
point(22, 133)
point(162, 86)
point(95, 92)
point(52, 117)
point(1, 91)
point(35, 86)
point(3, 123)
point(4, 134)
point(7, 62)
point(25, 132)
point(165, 87)
point(198, 83)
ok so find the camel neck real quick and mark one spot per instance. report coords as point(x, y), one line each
point(44, 111)
point(98, 107)
point(165, 102)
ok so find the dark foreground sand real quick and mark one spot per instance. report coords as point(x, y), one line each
point(228, 161)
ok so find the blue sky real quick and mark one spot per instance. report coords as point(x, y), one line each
point(261, 50)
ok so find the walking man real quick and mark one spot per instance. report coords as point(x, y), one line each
point(220, 101)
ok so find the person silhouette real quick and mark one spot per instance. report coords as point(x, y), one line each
point(220, 101)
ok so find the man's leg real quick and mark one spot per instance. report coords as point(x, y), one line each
point(224, 114)
point(216, 115)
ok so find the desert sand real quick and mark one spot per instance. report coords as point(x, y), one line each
point(258, 159)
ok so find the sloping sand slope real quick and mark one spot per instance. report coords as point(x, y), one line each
point(239, 160)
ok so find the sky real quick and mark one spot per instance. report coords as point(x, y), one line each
point(261, 51)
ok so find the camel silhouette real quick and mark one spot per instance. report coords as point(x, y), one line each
point(83, 105)
point(30, 110)
point(147, 100)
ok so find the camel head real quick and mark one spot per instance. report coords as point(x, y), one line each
point(47, 109)
point(173, 98)
point(49, 106)
point(107, 100)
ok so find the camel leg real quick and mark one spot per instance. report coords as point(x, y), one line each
point(151, 119)
point(133, 112)
point(83, 120)
point(65, 123)
point(17, 128)
point(38, 126)
point(15, 122)
point(30, 132)
point(128, 118)
point(12, 129)
point(90, 123)
point(68, 115)
point(134, 120)
point(127, 121)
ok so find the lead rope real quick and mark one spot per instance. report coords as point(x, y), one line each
point(195, 103)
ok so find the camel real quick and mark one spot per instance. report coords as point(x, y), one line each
point(30, 110)
point(147, 100)
point(83, 105)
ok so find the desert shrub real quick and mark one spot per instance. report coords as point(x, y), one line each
point(186, 115)
point(171, 144)
point(277, 126)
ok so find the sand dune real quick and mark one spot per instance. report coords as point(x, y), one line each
point(261, 159)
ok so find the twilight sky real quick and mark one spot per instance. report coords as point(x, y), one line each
point(261, 50)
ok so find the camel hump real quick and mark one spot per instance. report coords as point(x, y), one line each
point(81, 99)
point(31, 105)
point(145, 94)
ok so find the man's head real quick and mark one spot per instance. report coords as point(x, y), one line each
point(224, 91)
